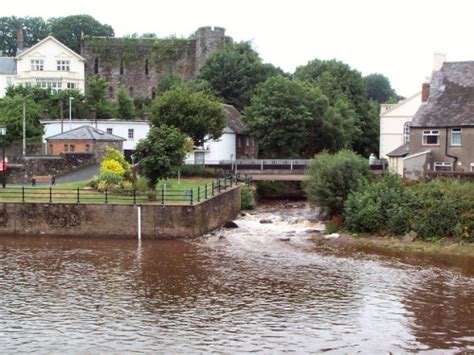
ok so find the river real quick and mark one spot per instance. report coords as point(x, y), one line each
point(258, 288)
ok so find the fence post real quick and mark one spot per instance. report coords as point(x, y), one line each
point(50, 195)
point(225, 183)
point(78, 200)
point(106, 196)
point(219, 186)
point(291, 164)
point(205, 191)
point(261, 165)
point(199, 194)
point(231, 180)
point(162, 194)
point(212, 188)
point(22, 194)
point(191, 197)
point(134, 196)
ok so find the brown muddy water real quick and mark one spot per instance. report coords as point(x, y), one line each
point(247, 292)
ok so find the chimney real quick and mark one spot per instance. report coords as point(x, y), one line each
point(45, 114)
point(145, 116)
point(93, 114)
point(19, 40)
point(438, 59)
point(425, 92)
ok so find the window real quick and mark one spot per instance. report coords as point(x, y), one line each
point(472, 167)
point(51, 150)
point(66, 148)
point(88, 148)
point(72, 148)
point(406, 133)
point(37, 64)
point(71, 85)
point(153, 92)
point(121, 67)
point(63, 65)
point(110, 130)
point(239, 141)
point(431, 137)
point(247, 142)
point(443, 166)
point(146, 66)
point(111, 92)
point(96, 65)
point(49, 83)
point(130, 91)
point(130, 133)
point(456, 136)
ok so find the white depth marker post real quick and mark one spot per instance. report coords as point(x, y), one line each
point(139, 216)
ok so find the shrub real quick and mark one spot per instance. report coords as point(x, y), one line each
point(109, 180)
point(141, 183)
point(332, 177)
point(111, 166)
point(247, 198)
point(200, 170)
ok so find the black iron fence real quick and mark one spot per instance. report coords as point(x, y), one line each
point(162, 195)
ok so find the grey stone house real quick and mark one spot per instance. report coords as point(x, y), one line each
point(442, 130)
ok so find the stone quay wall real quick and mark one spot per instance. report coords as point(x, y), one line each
point(119, 221)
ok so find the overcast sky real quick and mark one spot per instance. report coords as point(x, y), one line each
point(396, 38)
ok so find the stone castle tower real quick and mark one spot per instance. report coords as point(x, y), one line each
point(138, 64)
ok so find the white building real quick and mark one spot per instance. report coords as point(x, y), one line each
point(225, 148)
point(47, 64)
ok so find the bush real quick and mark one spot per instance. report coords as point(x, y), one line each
point(200, 171)
point(333, 177)
point(141, 184)
point(247, 198)
point(111, 166)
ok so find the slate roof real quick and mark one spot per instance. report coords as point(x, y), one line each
point(451, 98)
point(7, 65)
point(401, 151)
point(86, 133)
point(234, 119)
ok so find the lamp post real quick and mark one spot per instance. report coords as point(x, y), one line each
point(70, 112)
point(3, 133)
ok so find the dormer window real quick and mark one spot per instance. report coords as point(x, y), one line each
point(63, 65)
point(37, 64)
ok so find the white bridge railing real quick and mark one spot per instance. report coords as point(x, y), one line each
point(256, 164)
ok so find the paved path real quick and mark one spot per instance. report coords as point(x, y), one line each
point(85, 173)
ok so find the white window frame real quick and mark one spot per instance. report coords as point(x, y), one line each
point(50, 83)
point(63, 65)
point(131, 134)
point(430, 133)
point(37, 64)
point(441, 165)
point(406, 132)
point(457, 132)
point(109, 130)
point(71, 85)
point(472, 167)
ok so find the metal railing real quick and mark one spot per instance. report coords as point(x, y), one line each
point(162, 196)
point(257, 164)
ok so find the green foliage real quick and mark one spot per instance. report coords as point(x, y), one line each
point(194, 113)
point(332, 177)
point(114, 154)
point(69, 29)
point(379, 88)
point(125, 107)
point(34, 30)
point(161, 153)
point(11, 116)
point(235, 71)
point(96, 97)
point(433, 210)
point(247, 198)
point(200, 170)
point(111, 166)
point(285, 116)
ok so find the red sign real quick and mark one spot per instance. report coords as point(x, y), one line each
point(4, 165)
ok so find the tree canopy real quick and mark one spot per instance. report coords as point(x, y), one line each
point(194, 113)
point(379, 88)
point(34, 30)
point(161, 153)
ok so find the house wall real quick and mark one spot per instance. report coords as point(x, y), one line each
point(223, 148)
point(392, 124)
point(50, 52)
point(464, 153)
point(416, 165)
point(395, 165)
point(98, 148)
point(5, 81)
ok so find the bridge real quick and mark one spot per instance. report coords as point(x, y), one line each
point(264, 169)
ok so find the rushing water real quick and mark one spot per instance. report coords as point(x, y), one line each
point(240, 290)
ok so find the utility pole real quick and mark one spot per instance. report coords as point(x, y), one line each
point(24, 128)
point(70, 112)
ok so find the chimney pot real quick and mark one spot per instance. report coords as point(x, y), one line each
point(45, 114)
point(425, 92)
point(93, 114)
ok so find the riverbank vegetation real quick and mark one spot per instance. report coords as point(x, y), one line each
point(340, 185)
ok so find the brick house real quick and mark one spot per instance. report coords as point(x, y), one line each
point(442, 130)
point(84, 139)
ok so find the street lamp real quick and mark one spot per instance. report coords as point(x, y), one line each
point(70, 112)
point(3, 133)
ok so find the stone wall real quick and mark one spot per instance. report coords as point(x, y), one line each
point(138, 64)
point(119, 221)
point(27, 167)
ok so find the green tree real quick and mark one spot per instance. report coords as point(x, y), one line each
point(286, 116)
point(11, 116)
point(337, 80)
point(125, 107)
point(234, 73)
point(379, 88)
point(194, 113)
point(96, 97)
point(332, 177)
point(34, 30)
point(161, 153)
point(70, 29)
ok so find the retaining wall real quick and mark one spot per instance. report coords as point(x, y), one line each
point(101, 220)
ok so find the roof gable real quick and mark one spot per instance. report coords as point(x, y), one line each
point(50, 38)
point(86, 133)
point(234, 120)
point(401, 107)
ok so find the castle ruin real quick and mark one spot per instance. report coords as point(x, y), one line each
point(138, 64)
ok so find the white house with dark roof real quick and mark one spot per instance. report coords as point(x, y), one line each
point(47, 64)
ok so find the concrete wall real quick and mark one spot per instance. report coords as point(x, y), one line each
point(119, 221)
point(416, 165)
